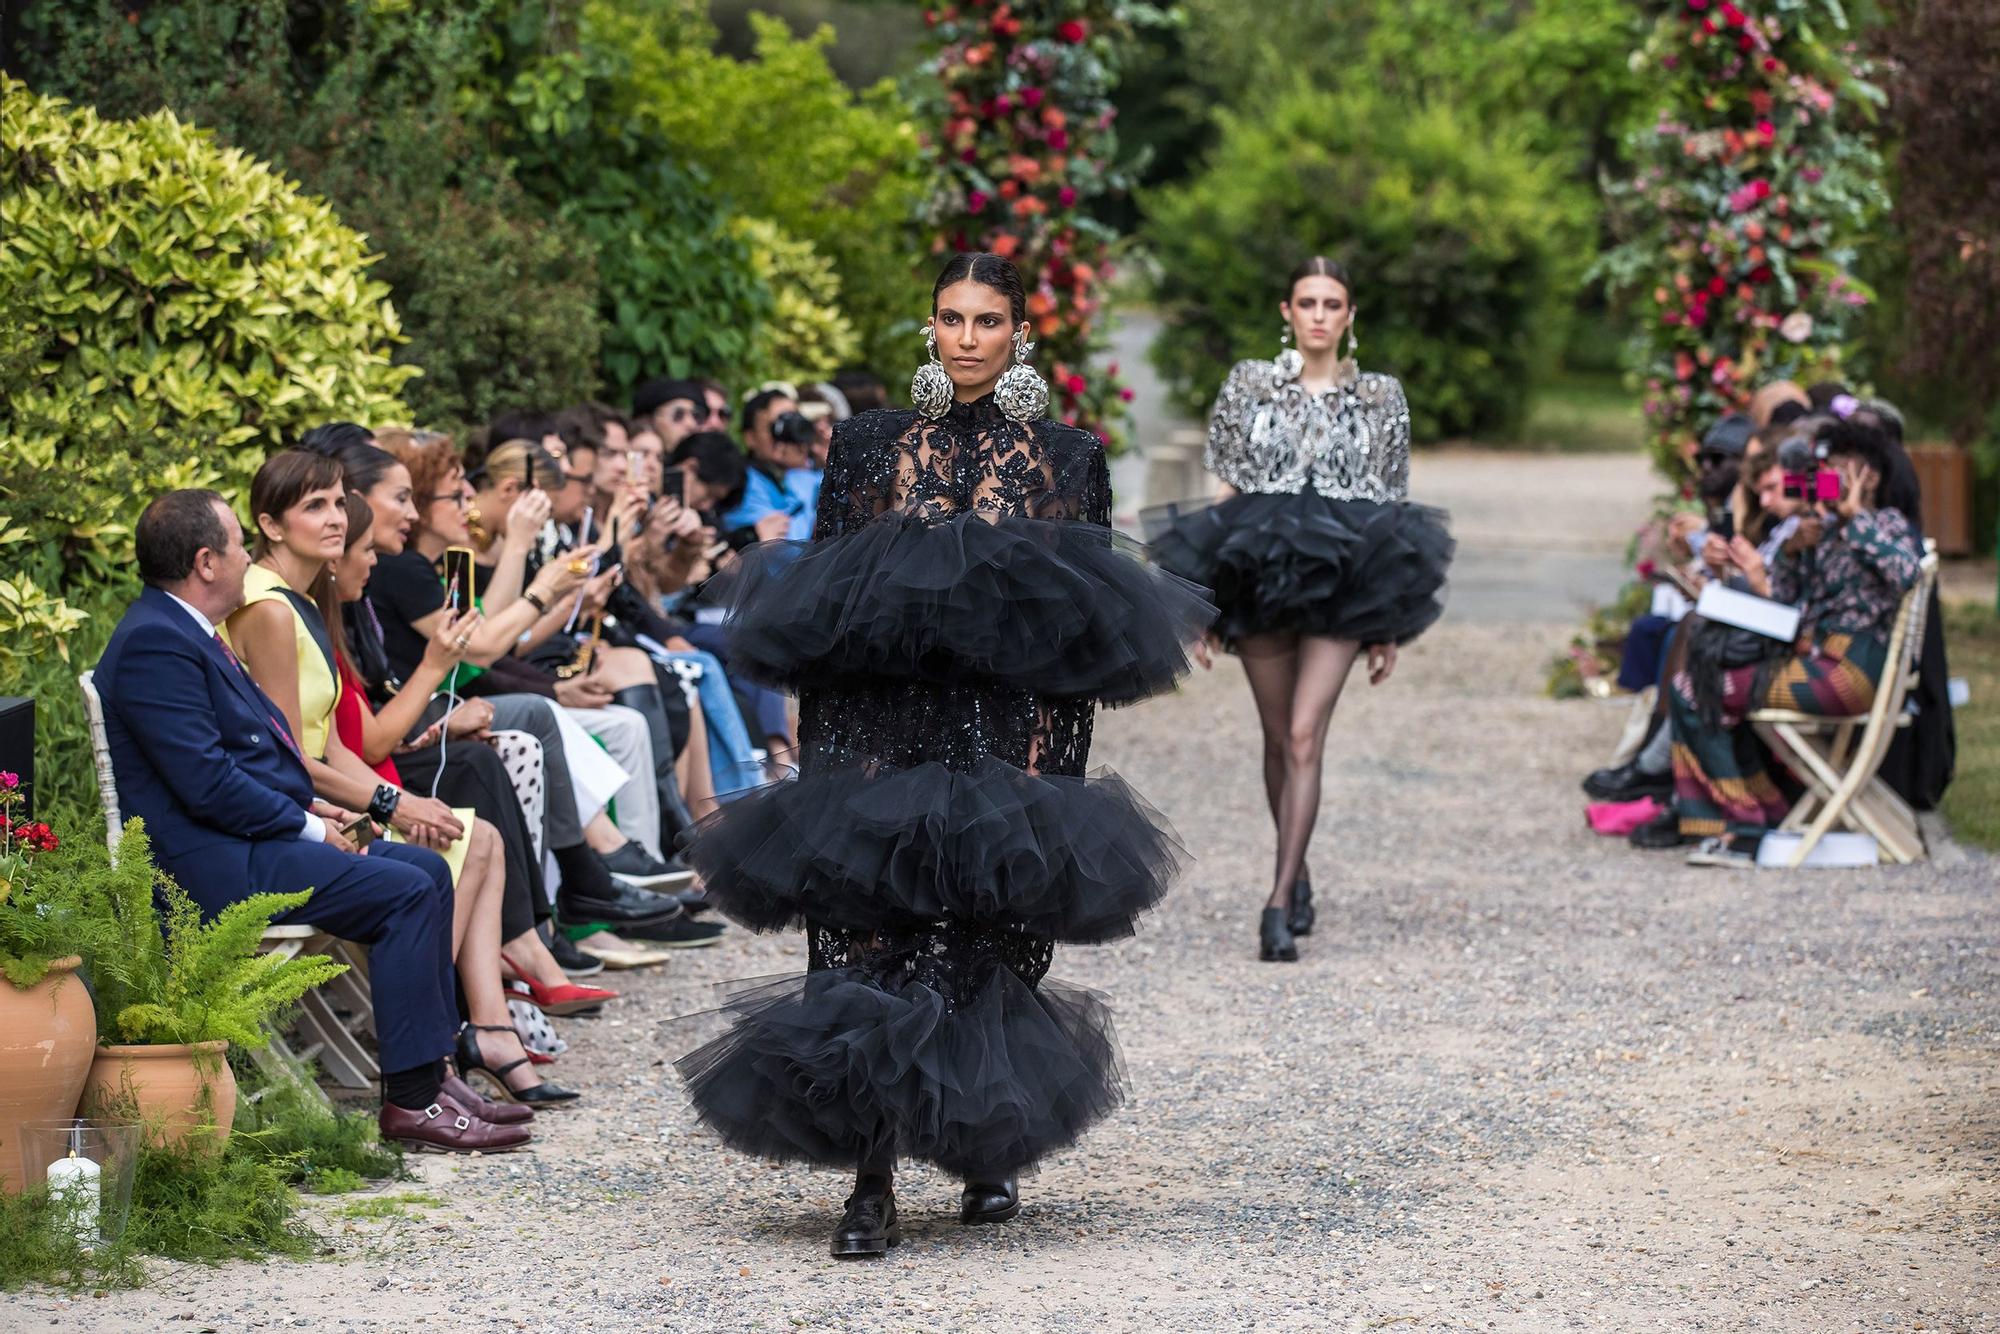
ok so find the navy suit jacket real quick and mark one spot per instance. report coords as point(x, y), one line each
point(200, 753)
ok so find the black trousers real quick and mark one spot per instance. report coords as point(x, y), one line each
point(474, 776)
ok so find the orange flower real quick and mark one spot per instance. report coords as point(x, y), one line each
point(1006, 245)
point(1041, 303)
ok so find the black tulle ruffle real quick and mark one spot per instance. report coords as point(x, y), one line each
point(832, 1068)
point(1072, 859)
point(1064, 609)
point(1303, 564)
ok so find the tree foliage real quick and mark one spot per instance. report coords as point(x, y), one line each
point(1462, 246)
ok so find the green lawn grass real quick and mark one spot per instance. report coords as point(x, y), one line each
point(1972, 802)
point(1576, 412)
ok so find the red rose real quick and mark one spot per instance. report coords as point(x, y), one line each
point(1075, 384)
point(1717, 285)
point(1125, 394)
point(1031, 97)
point(1761, 188)
point(1058, 140)
point(1072, 31)
point(1732, 15)
point(1746, 43)
point(1766, 131)
point(1066, 196)
point(1708, 26)
point(975, 201)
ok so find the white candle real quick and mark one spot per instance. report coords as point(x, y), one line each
point(73, 1185)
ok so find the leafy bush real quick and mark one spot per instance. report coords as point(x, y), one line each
point(807, 337)
point(1462, 243)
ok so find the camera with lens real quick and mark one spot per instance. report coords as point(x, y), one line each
point(1806, 475)
point(792, 428)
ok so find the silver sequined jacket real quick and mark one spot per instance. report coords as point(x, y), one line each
point(1352, 442)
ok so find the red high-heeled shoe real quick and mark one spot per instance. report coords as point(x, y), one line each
point(565, 999)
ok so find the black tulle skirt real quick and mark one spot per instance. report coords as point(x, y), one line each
point(1306, 565)
point(861, 849)
point(834, 1066)
point(1060, 608)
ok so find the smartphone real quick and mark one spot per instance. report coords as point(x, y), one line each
point(528, 469)
point(673, 483)
point(361, 833)
point(1724, 525)
point(458, 589)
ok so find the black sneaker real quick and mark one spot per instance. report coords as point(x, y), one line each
point(1735, 854)
point(679, 932)
point(640, 869)
point(573, 961)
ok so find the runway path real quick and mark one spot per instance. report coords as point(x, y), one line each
point(1522, 1079)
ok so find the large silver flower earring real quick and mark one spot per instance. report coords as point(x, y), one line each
point(1288, 361)
point(930, 387)
point(1022, 395)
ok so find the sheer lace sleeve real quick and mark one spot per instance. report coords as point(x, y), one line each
point(860, 469)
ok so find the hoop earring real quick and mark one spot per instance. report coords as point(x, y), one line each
point(930, 387)
point(1022, 395)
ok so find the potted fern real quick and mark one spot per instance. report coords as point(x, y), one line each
point(172, 997)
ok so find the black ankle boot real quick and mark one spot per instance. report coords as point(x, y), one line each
point(989, 1201)
point(1300, 919)
point(1274, 938)
point(869, 1226)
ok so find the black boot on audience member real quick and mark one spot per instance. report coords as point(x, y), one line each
point(1628, 782)
point(1662, 831)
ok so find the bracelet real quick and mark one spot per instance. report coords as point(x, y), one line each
point(382, 806)
point(534, 600)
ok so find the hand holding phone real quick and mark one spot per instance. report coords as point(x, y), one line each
point(458, 586)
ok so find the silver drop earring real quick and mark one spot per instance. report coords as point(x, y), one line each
point(1288, 361)
point(930, 387)
point(1022, 395)
point(1353, 339)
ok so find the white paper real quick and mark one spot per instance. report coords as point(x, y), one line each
point(1836, 849)
point(1745, 611)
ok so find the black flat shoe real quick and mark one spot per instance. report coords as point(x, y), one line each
point(1628, 782)
point(1274, 938)
point(1300, 919)
point(542, 1096)
point(989, 1201)
point(868, 1228)
point(616, 906)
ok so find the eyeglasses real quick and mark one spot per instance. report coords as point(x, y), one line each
point(457, 498)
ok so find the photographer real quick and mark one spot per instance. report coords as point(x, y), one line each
point(1846, 567)
point(777, 439)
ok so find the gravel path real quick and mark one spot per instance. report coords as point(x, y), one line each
point(1523, 1079)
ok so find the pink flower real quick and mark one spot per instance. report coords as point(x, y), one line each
point(1075, 384)
point(1072, 31)
point(1766, 131)
point(1058, 140)
point(976, 201)
point(1066, 196)
point(1812, 175)
point(1003, 104)
point(10, 780)
point(1031, 97)
point(1125, 394)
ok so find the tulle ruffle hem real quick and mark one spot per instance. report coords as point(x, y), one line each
point(1064, 609)
point(1303, 564)
point(832, 1068)
point(861, 849)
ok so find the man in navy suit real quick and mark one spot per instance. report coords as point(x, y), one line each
point(205, 759)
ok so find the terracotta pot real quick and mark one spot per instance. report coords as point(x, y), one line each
point(179, 1089)
point(47, 1036)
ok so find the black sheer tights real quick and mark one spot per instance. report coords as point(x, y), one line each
point(1296, 682)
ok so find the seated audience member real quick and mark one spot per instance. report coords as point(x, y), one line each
point(774, 447)
point(1846, 567)
point(299, 505)
point(675, 409)
point(415, 599)
point(1770, 398)
point(588, 850)
point(464, 774)
point(206, 759)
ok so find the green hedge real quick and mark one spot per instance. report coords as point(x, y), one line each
point(169, 311)
point(1464, 246)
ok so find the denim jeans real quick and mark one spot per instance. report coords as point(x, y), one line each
point(735, 770)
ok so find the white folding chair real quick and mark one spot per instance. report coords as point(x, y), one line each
point(326, 1037)
point(1837, 757)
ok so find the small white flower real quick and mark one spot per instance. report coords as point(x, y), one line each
point(1796, 327)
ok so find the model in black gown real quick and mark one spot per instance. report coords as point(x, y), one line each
point(960, 612)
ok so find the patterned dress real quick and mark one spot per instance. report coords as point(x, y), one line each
point(1848, 589)
point(961, 610)
point(1321, 538)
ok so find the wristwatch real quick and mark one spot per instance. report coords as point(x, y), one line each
point(382, 806)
